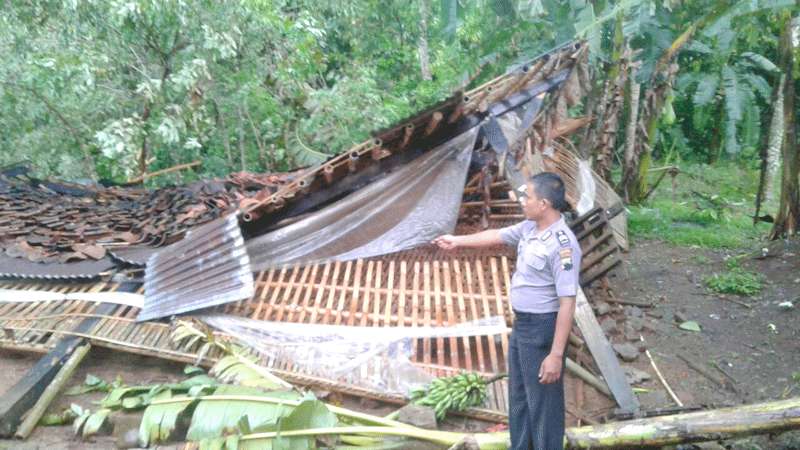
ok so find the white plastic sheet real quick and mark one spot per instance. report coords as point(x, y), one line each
point(24, 296)
point(408, 207)
point(379, 358)
point(586, 187)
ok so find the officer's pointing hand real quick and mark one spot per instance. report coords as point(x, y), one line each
point(550, 371)
point(446, 242)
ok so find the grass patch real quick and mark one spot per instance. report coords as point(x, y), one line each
point(736, 281)
point(711, 207)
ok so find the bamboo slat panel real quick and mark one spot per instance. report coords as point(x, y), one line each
point(397, 292)
point(377, 292)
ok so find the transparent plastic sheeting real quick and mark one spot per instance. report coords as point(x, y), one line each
point(586, 186)
point(511, 126)
point(370, 357)
point(408, 207)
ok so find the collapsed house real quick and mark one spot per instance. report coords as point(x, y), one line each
point(326, 273)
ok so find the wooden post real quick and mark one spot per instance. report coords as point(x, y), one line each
point(64, 374)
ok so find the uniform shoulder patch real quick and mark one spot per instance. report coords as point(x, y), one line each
point(565, 255)
point(562, 237)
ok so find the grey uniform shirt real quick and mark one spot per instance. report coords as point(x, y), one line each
point(548, 263)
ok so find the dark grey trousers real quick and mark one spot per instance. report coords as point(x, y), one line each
point(536, 411)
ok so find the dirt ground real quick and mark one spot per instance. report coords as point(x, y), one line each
point(757, 347)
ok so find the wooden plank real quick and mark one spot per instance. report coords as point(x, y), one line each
point(474, 310)
point(343, 294)
point(426, 316)
point(415, 308)
point(365, 307)
point(387, 316)
point(356, 292)
point(401, 308)
point(326, 272)
point(504, 336)
point(376, 300)
point(326, 318)
point(450, 316)
point(437, 296)
point(289, 302)
point(300, 308)
point(604, 354)
point(276, 293)
point(509, 312)
point(263, 290)
point(348, 288)
point(462, 311)
point(495, 367)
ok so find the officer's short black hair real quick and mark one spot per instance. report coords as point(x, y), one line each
point(550, 187)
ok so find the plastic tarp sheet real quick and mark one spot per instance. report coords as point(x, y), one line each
point(514, 125)
point(408, 207)
point(586, 186)
point(379, 358)
point(24, 296)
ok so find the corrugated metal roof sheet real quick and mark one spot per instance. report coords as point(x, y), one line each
point(81, 270)
point(209, 267)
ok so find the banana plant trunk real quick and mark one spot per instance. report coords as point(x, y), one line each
point(701, 426)
point(633, 185)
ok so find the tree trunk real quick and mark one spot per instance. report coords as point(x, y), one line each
point(770, 149)
point(776, 132)
point(424, 61)
point(262, 151)
point(789, 210)
point(634, 91)
point(241, 138)
point(226, 144)
point(691, 427)
point(716, 139)
point(144, 154)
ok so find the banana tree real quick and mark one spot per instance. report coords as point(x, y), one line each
point(657, 98)
point(729, 85)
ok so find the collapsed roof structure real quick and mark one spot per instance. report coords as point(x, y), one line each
point(303, 267)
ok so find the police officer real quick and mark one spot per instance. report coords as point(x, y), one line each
point(543, 291)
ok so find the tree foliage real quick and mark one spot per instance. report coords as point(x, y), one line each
point(109, 90)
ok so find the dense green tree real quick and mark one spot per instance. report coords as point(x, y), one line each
point(114, 89)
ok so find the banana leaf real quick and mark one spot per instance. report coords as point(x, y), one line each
point(90, 423)
point(159, 420)
point(214, 418)
point(240, 369)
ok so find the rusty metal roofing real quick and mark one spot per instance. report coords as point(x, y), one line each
point(210, 267)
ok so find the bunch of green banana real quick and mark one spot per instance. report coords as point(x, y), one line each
point(455, 393)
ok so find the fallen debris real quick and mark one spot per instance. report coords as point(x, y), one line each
point(661, 377)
